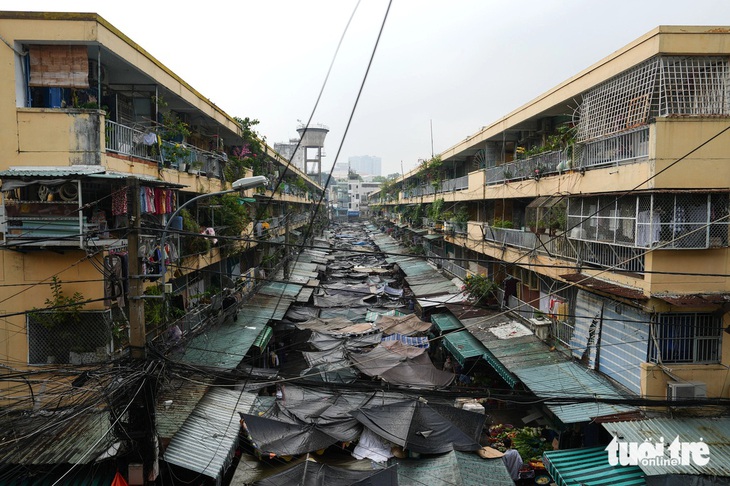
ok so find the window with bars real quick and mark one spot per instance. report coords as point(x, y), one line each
point(686, 338)
point(87, 339)
point(669, 221)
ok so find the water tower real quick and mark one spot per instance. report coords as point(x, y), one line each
point(311, 145)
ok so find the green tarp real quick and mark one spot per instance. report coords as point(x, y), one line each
point(463, 345)
point(446, 322)
point(589, 467)
point(263, 338)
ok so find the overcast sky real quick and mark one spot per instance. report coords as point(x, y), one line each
point(456, 65)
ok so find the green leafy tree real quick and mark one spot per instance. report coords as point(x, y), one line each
point(60, 308)
point(480, 289)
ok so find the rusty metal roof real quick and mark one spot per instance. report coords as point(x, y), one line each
point(603, 286)
point(695, 300)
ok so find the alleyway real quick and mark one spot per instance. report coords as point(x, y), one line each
point(355, 334)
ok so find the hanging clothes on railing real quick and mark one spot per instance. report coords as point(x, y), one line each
point(161, 206)
point(120, 208)
point(147, 200)
point(119, 201)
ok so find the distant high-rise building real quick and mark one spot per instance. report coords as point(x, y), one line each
point(365, 164)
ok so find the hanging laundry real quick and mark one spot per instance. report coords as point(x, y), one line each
point(150, 138)
point(119, 202)
point(147, 200)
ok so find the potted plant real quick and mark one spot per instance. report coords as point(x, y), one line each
point(556, 219)
point(502, 223)
point(461, 217)
point(62, 322)
point(447, 217)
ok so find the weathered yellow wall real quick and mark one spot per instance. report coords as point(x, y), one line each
point(710, 263)
point(59, 137)
point(692, 153)
point(26, 285)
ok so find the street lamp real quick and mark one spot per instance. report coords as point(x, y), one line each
point(239, 185)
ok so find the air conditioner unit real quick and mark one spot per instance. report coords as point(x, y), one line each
point(686, 390)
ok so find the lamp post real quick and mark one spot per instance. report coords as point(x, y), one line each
point(141, 416)
point(238, 185)
point(137, 328)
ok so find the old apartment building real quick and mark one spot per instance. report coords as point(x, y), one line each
point(602, 205)
point(93, 128)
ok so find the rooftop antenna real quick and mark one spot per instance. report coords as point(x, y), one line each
point(431, 137)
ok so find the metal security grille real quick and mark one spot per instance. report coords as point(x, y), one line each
point(694, 86)
point(56, 340)
point(671, 221)
point(661, 86)
point(686, 338)
point(621, 103)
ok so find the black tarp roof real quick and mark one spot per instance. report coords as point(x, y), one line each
point(424, 428)
point(311, 473)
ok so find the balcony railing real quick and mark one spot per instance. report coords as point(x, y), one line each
point(511, 237)
point(614, 150)
point(447, 185)
point(623, 148)
point(130, 141)
point(604, 255)
point(446, 264)
point(533, 167)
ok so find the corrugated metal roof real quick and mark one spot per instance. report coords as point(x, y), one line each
point(522, 351)
point(463, 346)
point(501, 370)
point(185, 395)
point(547, 373)
point(435, 288)
point(225, 345)
point(277, 289)
point(412, 267)
point(603, 286)
point(462, 468)
point(265, 307)
point(263, 338)
point(92, 171)
point(589, 466)
point(569, 379)
point(305, 294)
point(446, 322)
point(433, 236)
point(436, 300)
point(207, 440)
point(695, 300)
point(715, 432)
point(372, 315)
point(55, 438)
point(51, 171)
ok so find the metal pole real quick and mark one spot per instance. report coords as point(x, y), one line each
point(238, 185)
point(286, 242)
point(137, 331)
